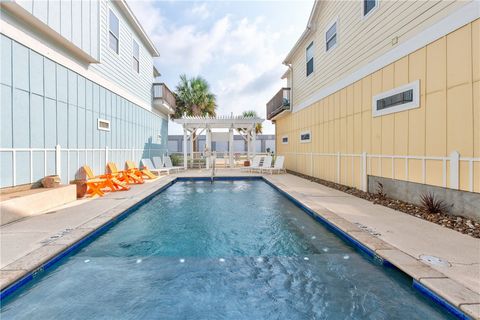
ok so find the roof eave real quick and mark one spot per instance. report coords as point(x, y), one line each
point(304, 35)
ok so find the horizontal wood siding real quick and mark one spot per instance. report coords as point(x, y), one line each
point(360, 39)
point(118, 67)
point(447, 120)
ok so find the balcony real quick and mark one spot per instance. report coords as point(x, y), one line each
point(278, 104)
point(163, 98)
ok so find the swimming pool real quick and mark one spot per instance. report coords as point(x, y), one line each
point(231, 249)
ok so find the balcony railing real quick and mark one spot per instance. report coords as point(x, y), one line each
point(162, 94)
point(279, 103)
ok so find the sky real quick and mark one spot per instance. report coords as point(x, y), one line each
point(237, 46)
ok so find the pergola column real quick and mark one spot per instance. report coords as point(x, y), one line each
point(230, 147)
point(185, 158)
point(248, 144)
point(208, 144)
point(191, 144)
point(254, 138)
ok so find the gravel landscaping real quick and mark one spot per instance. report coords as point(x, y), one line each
point(457, 223)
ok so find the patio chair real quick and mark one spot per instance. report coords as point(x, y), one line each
point(139, 173)
point(97, 183)
point(169, 165)
point(158, 162)
point(148, 164)
point(267, 163)
point(277, 167)
point(126, 176)
point(255, 164)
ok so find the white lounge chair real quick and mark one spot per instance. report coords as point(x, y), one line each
point(147, 163)
point(277, 167)
point(169, 165)
point(254, 165)
point(267, 163)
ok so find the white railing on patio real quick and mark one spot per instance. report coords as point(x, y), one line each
point(104, 155)
point(365, 167)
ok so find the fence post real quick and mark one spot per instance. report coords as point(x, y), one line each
point(454, 168)
point(106, 155)
point(58, 160)
point(338, 167)
point(364, 172)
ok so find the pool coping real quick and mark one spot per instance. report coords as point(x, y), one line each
point(457, 299)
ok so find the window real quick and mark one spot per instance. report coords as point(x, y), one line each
point(305, 137)
point(331, 36)
point(399, 99)
point(309, 55)
point(103, 124)
point(368, 6)
point(136, 57)
point(285, 140)
point(113, 32)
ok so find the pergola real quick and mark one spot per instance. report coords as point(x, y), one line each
point(244, 125)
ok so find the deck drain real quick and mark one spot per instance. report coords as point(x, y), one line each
point(434, 261)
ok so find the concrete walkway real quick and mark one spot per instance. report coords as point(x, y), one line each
point(450, 264)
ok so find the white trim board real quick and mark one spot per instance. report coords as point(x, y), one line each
point(27, 40)
point(452, 22)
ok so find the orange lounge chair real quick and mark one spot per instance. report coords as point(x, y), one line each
point(140, 173)
point(125, 176)
point(113, 183)
point(94, 184)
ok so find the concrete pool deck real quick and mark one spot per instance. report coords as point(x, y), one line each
point(397, 237)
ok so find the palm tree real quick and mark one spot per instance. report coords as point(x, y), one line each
point(253, 114)
point(193, 98)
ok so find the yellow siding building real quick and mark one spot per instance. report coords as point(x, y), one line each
point(384, 89)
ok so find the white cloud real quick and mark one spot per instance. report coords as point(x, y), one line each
point(200, 11)
point(239, 57)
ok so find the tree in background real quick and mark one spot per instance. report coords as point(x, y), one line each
point(252, 113)
point(193, 98)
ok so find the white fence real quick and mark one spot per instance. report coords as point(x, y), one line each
point(365, 166)
point(66, 162)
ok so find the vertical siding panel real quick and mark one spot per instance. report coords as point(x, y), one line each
point(54, 15)
point(36, 121)
point(21, 119)
point(77, 23)
point(20, 67)
point(6, 60)
point(50, 123)
point(6, 118)
point(66, 19)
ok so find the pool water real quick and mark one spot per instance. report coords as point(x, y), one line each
point(227, 250)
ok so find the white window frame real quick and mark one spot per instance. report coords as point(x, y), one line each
point(109, 32)
point(133, 56)
point(311, 44)
point(415, 85)
point(101, 128)
point(283, 137)
point(306, 132)
point(334, 22)
point(377, 3)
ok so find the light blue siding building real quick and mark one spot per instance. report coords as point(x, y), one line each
point(77, 87)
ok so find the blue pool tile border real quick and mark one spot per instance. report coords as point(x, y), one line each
point(441, 302)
